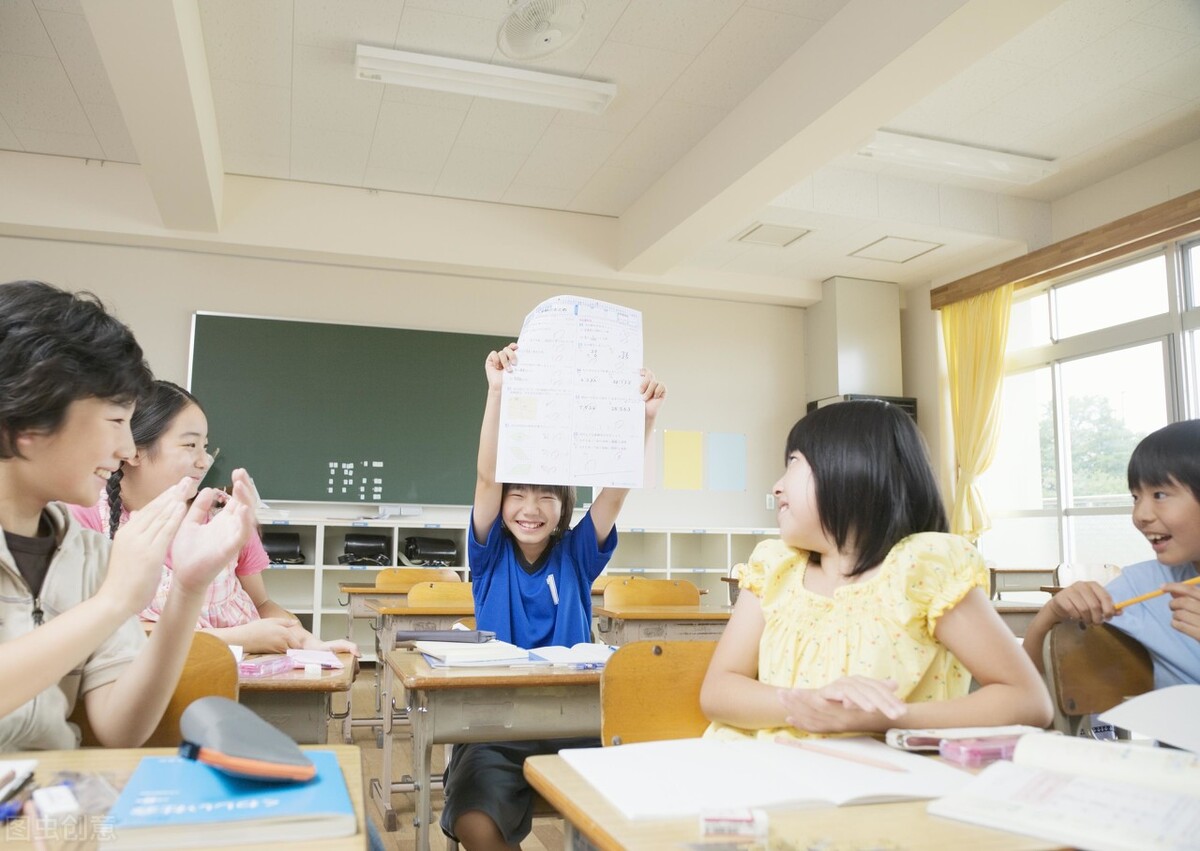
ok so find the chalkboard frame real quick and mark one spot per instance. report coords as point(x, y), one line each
point(428, 455)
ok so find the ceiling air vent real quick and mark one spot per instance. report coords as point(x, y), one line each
point(776, 235)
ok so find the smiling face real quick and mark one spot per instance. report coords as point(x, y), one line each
point(531, 515)
point(182, 450)
point(73, 463)
point(1169, 516)
point(796, 498)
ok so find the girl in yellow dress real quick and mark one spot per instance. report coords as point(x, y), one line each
point(867, 614)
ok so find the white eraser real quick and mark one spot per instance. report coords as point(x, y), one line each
point(55, 801)
point(312, 670)
point(734, 822)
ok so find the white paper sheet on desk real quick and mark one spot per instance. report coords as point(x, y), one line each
point(684, 777)
point(324, 658)
point(570, 411)
point(1167, 715)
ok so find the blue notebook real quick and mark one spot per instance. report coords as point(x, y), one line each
point(172, 802)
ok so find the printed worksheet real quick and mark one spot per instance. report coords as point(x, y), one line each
point(570, 412)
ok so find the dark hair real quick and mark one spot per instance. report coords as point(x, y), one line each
point(1171, 453)
point(57, 347)
point(874, 484)
point(156, 410)
point(565, 494)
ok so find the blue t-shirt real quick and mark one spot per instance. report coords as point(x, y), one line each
point(519, 606)
point(1176, 655)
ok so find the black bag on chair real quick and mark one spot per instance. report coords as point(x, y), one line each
point(366, 549)
point(283, 547)
point(431, 552)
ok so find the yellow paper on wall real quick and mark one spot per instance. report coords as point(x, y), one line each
point(683, 460)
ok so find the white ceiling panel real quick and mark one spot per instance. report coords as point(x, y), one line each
point(746, 50)
point(446, 34)
point(411, 137)
point(37, 95)
point(255, 118)
point(501, 126)
point(248, 41)
point(612, 189)
point(111, 134)
point(77, 49)
point(22, 31)
point(341, 26)
point(478, 173)
point(538, 196)
point(401, 180)
point(327, 95)
point(321, 155)
point(682, 25)
point(665, 135)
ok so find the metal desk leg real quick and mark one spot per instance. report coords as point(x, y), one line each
point(381, 789)
point(422, 741)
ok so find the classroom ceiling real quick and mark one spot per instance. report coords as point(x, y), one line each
point(784, 92)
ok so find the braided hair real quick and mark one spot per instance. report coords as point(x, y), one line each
point(155, 411)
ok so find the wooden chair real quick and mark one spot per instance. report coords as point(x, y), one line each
point(210, 669)
point(399, 580)
point(650, 690)
point(602, 582)
point(651, 592)
point(1091, 669)
point(440, 594)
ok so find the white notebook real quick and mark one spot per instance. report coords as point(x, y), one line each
point(685, 777)
point(453, 654)
point(1104, 796)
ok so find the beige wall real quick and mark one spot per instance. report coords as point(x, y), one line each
point(729, 366)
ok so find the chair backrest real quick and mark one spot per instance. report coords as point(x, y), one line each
point(401, 579)
point(650, 690)
point(651, 592)
point(1091, 669)
point(210, 669)
point(602, 582)
point(441, 594)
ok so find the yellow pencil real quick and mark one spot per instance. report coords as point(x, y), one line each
point(827, 751)
point(1141, 598)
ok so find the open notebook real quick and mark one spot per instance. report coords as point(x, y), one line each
point(1105, 796)
point(453, 654)
point(684, 777)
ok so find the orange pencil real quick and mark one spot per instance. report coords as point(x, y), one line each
point(1143, 597)
point(849, 757)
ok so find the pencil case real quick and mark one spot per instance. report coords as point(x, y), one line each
point(232, 739)
point(265, 667)
point(974, 753)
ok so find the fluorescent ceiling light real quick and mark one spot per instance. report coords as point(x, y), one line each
point(479, 79)
point(936, 155)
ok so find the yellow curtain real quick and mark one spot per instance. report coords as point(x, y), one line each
point(975, 333)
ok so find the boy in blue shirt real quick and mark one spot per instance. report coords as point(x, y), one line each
point(531, 578)
point(1164, 478)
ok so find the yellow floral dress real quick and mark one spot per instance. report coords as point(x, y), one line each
point(881, 627)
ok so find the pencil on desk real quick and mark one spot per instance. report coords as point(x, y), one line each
point(849, 757)
point(1141, 598)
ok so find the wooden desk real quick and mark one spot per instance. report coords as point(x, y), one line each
point(121, 762)
point(1002, 579)
point(592, 822)
point(297, 703)
point(357, 596)
point(457, 705)
point(626, 624)
point(1017, 616)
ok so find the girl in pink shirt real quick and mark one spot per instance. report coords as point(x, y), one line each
point(170, 432)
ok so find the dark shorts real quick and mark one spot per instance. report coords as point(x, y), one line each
point(488, 777)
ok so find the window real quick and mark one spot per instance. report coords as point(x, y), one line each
point(1094, 364)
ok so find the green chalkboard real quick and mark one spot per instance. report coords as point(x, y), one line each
point(342, 413)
